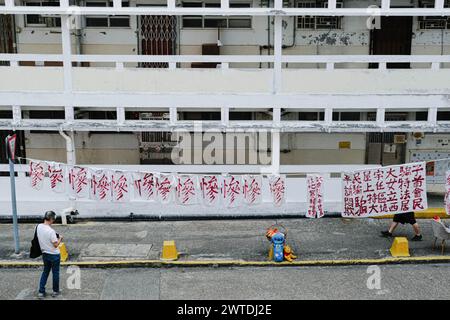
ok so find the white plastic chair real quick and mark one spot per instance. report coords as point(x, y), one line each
point(441, 233)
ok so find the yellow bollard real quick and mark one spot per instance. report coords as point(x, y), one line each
point(271, 252)
point(400, 247)
point(63, 252)
point(169, 251)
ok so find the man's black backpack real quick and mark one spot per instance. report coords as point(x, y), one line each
point(35, 250)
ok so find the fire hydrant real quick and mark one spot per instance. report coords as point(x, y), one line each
point(278, 247)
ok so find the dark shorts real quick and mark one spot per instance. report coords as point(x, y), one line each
point(407, 217)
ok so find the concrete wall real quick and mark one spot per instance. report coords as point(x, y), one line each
point(90, 147)
point(322, 148)
point(309, 81)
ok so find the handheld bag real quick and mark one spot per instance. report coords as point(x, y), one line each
point(64, 252)
point(35, 250)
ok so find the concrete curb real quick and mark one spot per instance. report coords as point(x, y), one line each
point(231, 263)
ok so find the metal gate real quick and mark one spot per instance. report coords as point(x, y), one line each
point(157, 36)
point(386, 148)
point(155, 147)
point(6, 35)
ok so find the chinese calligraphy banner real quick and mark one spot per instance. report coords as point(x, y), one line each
point(120, 186)
point(79, 181)
point(164, 188)
point(144, 186)
point(101, 185)
point(37, 174)
point(447, 192)
point(252, 189)
point(57, 174)
point(277, 184)
point(314, 196)
point(232, 190)
point(210, 189)
point(186, 189)
point(386, 190)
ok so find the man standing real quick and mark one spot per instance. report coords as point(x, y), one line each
point(49, 241)
point(407, 217)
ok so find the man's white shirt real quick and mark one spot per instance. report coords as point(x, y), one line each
point(47, 236)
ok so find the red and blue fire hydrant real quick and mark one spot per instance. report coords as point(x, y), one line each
point(278, 247)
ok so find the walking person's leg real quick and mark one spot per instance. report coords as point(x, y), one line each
point(44, 275)
point(417, 234)
point(391, 229)
point(55, 273)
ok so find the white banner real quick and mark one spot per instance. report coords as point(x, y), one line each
point(314, 196)
point(386, 190)
point(186, 189)
point(252, 189)
point(57, 177)
point(277, 184)
point(165, 188)
point(144, 186)
point(210, 190)
point(79, 181)
point(37, 173)
point(232, 191)
point(101, 185)
point(120, 186)
point(447, 192)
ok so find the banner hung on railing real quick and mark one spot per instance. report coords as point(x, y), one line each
point(144, 186)
point(210, 190)
point(186, 189)
point(100, 185)
point(37, 174)
point(109, 185)
point(79, 181)
point(314, 196)
point(232, 191)
point(385, 190)
point(252, 189)
point(277, 185)
point(57, 177)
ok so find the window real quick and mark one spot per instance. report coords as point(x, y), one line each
point(437, 22)
point(244, 22)
point(311, 116)
point(46, 21)
point(116, 21)
point(318, 22)
point(346, 116)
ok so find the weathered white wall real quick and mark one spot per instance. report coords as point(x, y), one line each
point(308, 81)
point(353, 38)
point(322, 148)
point(91, 147)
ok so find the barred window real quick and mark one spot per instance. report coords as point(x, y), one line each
point(37, 20)
point(116, 21)
point(318, 22)
point(433, 22)
point(244, 22)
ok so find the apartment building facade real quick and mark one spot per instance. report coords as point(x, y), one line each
point(322, 56)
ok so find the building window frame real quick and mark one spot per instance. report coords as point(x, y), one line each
point(206, 22)
point(318, 22)
point(41, 21)
point(109, 20)
point(433, 22)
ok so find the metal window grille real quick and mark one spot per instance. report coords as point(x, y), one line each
point(316, 22)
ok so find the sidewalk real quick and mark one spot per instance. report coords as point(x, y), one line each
point(227, 240)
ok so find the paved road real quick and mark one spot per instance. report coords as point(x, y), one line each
point(227, 239)
point(346, 282)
